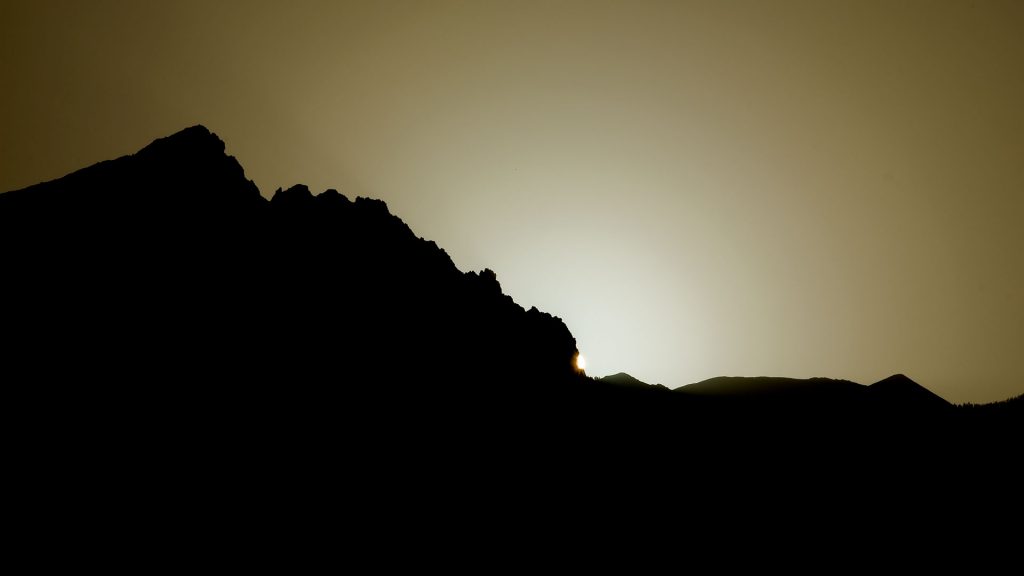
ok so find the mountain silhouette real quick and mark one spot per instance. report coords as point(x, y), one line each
point(168, 263)
point(166, 323)
point(165, 279)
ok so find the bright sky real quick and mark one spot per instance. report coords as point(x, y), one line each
point(791, 188)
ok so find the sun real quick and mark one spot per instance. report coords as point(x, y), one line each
point(581, 362)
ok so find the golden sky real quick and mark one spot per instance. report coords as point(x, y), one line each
point(792, 188)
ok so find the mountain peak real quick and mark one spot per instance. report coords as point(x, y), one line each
point(185, 172)
point(195, 140)
point(900, 389)
point(896, 380)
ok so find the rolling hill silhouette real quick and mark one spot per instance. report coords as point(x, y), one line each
point(896, 393)
point(769, 387)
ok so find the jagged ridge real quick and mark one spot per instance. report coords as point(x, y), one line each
point(190, 270)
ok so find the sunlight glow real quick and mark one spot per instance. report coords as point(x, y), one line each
point(581, 362)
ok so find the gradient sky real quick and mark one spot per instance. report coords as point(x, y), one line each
point(793, 188)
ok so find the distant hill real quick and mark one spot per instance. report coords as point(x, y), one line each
point(623, 379)
point(764, 386)
point(896, 394)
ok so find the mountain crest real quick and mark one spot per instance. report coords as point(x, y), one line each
point(185, 172)
point(899, 389)
point(298, 194)
point(196, 141)
point(174, 239)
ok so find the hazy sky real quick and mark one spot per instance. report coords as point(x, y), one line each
point(792, 188)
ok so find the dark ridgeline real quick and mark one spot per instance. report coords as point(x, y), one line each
point(160, 315)
point(164, 280)
point(896, 396)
